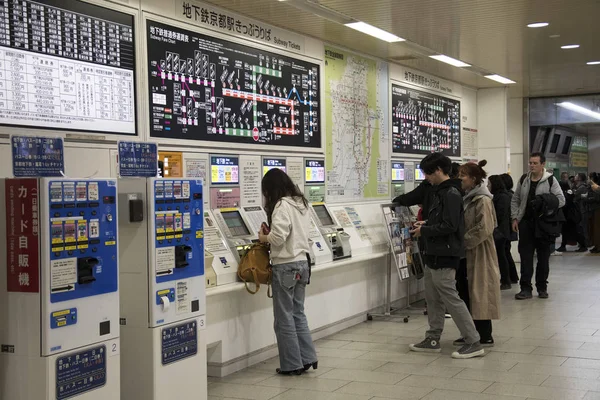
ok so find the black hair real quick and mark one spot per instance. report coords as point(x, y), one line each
point(582, 176)
point(475, 171)
point(595, 177)
point(435, 161)
point(497, 184)
point(540, 155)
point(276, 185)
point(508, 181)
point(454, 170)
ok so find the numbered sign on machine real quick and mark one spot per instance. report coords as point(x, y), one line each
point(80, 372)
point(179, 342)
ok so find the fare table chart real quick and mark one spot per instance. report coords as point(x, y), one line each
point(66, 69)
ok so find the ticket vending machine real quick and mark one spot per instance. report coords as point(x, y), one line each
point(398, 185)
point(223, 264)
point(224, 193)
point(163, 295)
point(314, 180)
point(236, 229)
point(59, 288)
point(337, 240)
point(314, 191)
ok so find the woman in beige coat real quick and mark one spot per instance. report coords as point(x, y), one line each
point(482, 259)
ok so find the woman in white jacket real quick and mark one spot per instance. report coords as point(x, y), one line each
point(287, 233)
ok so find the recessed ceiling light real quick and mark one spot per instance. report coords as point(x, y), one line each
point(538, 25)
point(500, 79)
point(375, 32)
point(594, 63)
point(449, 60)
point(570, 46)
point(554, 36)
point(579, 109)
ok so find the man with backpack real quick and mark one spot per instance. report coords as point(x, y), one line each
point(527, 221)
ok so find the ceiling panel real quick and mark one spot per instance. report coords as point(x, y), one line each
point(489, 34)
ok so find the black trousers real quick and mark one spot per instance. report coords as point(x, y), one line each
point(484, 327)
point(503, 261)
point(512, 267)
point(528, 246)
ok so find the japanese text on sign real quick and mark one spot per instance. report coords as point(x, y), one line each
point(179, 342)
point(22, 235)
point(216, 19)
point(80, 372)
point(421, 80)
point(138, 159)
point(37, 156)
point(212, 18)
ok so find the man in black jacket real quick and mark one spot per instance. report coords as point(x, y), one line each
point(443, 233)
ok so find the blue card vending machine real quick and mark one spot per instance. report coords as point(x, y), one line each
point(62, 289)
point(163, 303)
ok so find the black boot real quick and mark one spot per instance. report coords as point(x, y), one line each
point(295, 372)
point(314, 365)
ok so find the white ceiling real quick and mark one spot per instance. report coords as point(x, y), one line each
point(491, 35)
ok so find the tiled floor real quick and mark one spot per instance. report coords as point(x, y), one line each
point(545, 349)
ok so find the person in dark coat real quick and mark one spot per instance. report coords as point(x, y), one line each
point(570, 228)
point(581, 189)
point(502, 231)
point(514, 237)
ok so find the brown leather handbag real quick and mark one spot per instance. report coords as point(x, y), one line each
point(255, 267)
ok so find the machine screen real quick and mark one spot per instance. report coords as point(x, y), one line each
point(270, 163)
point(397, 172)
point(235, 223)
point(419, 175)
point(315, 171)
point(323, 215)
point(224, 170)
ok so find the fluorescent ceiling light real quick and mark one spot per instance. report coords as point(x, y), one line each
point(374, 31)
point(594, 63)
point(570, 46)
point(451, 61)
point(579, 109)
point(500, 79)
point(538, 25)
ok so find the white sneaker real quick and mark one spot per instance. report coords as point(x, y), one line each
point(556, 253)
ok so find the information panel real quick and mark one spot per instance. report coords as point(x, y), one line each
point(77, 373)
point(66, 65)
point(37, 156)
point(138, 159)
point(204, 88)
point(224, 170)
point(179, 342)
point(397, 172)
point(315, 171)
point(424, 123)
point(270, 163)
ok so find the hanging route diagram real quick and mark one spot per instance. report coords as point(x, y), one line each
point(205, 88)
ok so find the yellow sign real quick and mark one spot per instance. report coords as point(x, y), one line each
point(199, 234)
point(61, 313)
point(579, 159)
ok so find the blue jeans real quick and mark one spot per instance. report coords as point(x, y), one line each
point(294, 340)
